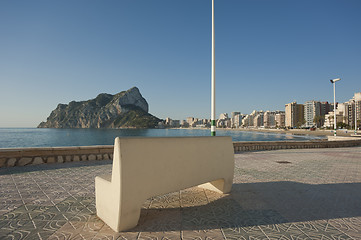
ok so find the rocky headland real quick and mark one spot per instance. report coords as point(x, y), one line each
point(127, 109)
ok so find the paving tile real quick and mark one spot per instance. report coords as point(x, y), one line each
point(7, 226)
point(244, 233)
point(169, 235)
point(41, 202)
point(106, 233)
point(91, 206)
point(171, 200)
point(321, 229)
point(193, 201)
point(213, 196)
point(283, 231)
point(72, 230)
point(160, 220)
point(51, 214)
point(17, 214)
point(4, 233)
point(205, 234)
point(350, 226)
point(36, 230)
point(94, 226)
point(84, 215)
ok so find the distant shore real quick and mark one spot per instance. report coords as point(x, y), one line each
point(317, 132)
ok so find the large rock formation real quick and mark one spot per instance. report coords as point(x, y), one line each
point(124, 109)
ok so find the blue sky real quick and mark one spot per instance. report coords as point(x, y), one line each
point(268, 53)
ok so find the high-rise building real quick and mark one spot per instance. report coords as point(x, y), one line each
point(352, 110)
point(190, 120)
point(326, 108)
point(223, 116)
point(247, 121)
point(357, 98)
point(236, 120)
point(269, 119)
point(350, 113)
point(342, 109)
point(175, 123)
point(233, 114)
point(168, 121)
point(184, 124)
point(312, 109)
point(280, 119)
point(258, 120)
point(294, 114)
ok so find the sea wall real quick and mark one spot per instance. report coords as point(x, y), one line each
point(32, 156)
point(262, 146)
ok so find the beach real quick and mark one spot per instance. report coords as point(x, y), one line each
point(317, 132)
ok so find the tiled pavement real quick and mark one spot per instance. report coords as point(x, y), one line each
point(283, 194)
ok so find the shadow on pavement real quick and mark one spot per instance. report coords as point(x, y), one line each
point(254, 204)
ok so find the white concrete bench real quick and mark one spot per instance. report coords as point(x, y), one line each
point(148, 167)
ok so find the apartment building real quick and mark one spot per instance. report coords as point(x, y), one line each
point(280, 119)
point(248, 121)
point(269, 119)
point(258, 120)
point(236, 120)
point(294, 114)
point(312, 109)
point(357, 99)
point(325, 108)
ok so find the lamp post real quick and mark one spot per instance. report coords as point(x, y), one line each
point(334, 102)
point(213, 80)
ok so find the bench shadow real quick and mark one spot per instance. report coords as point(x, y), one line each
point(253, 204)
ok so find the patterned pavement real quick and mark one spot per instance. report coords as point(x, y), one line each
point(282, 194)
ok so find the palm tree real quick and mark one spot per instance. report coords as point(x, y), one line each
point(319, 120)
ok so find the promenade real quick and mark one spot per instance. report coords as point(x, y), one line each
point(281, 194)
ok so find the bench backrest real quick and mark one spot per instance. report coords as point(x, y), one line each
point(164, 164)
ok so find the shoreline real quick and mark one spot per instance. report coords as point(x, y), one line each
point(317, 132)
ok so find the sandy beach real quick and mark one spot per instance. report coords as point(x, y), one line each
point(317, 132)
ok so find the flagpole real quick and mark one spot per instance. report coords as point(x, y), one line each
point(355, 116)
point(213, 79)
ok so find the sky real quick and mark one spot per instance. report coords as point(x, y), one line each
point(268, 53)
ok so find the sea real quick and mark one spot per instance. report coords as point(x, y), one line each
point(50, 137)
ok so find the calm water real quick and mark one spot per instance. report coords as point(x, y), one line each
point(44, 137)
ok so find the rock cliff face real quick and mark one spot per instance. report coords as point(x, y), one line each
point(124, 109)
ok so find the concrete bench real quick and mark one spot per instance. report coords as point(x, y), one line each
point(148, 167)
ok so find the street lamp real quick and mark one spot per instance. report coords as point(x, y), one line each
point(213, 82)
point(334, 102)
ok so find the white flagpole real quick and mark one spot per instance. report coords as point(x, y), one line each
point(355, 115)
point(213, 79)
point(333, 81)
